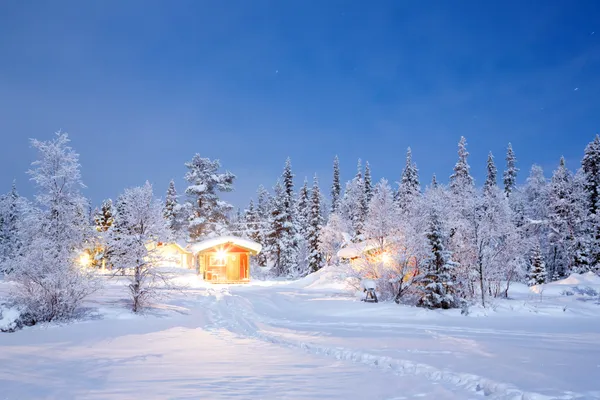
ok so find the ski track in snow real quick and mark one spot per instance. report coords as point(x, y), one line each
point(236, 314)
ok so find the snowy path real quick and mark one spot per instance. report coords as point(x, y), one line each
point(504, 357)
point(284, 341)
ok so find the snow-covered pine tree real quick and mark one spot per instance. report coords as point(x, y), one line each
point(461, 179)
point(251, 230)
point(352, 206)
point(336, 187)
point(11, 216)
point(140, 226)
point(263, 211)
point(536, 274)
point(582, 247)
point(104, 218)
point(368, 183)
point(303, 209)
point(408, 187)
point(490, 181)
point(49, 284)
point(561, 223)
point(510, 175)
point(315, 257)
point(591, 172)
point(171, 204)
point(434, 183)
point(208, 212)
point(282, 237)
point(438, 271)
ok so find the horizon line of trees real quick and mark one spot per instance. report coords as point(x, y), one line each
point(457, 241)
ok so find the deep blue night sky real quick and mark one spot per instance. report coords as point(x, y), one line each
point(143, 85)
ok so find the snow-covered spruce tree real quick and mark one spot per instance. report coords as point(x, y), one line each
point(12, 209)
point(510, 174)
point(208, 213)
point(492, 172)
point(582, 246)
point(535, 199)
point(461, 211)
point(282, 237)
point(461, 179)
point(536, 274)
point(315, 257)
point(353, 205)
point(263, 211)
point(590, 165)
point(336, 187)
point(408, 187)
point(49, 283)
point(303, 209)
point(251, 230)
point(368, 183)
point(171, 205)
point(559, 255)
point(438, 271)
point(104, 218)
point(139, 227)
point(434, 183)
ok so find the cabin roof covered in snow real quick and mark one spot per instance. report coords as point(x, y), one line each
point(355, 250)
point(222, 240)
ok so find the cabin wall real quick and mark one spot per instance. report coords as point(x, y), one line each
point(235, 268)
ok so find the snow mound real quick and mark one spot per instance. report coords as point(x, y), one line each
point(586, 284)
point(330, 277)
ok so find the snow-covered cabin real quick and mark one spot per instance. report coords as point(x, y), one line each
point(225, 259)
point(176, 254)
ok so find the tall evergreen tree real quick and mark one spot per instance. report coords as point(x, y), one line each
point(315, 257)
point(409, 186)
point(434, 183)
point(591, 173)
point(368, 183)
point(438, 272)
point(282, 237)
point(461, 179)
point(536, 274)
point(104, 218)
point(251, 224)
point(510, 175)
point(491, 173)
point(171, 203)
point(208, 212)
point(560, 213)
point(336, 187)
point(263, 212)
point(303, 208)
point(353, 205)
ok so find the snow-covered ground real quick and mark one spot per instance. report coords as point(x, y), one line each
point(311, 339)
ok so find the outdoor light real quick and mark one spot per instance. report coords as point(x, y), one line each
point(221, 254)
point(386, 258)
point(84, 259)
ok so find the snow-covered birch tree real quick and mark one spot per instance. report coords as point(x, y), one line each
point(139, 227)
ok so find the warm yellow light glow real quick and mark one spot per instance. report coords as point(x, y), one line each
point(221, 254)
point(85, 260)
point(386, 258)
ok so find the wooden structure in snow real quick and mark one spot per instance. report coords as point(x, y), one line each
point(224, 259)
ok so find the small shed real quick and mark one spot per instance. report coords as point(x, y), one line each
point(225, 259)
